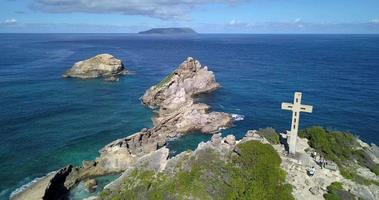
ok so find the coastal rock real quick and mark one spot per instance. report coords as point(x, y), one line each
point(216, 139)
point(177, 114)
point(155, 161)
point(190, 76)
point(91, 185)
point(102, 65)
point(230, 139)
point(373, 152)
point(56, 188)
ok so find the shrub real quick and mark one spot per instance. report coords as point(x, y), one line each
point(343, 149)
point(270, 134)
point(255, 174)
point(336, 192)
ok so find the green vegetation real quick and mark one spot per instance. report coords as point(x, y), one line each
point(165, 80)
point(270, 134)
point(343, 149)
point(255, 174)
point(336, 192)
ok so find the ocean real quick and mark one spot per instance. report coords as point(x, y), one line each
point(47, 122)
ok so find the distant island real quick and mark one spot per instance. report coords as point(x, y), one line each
point(169, 31)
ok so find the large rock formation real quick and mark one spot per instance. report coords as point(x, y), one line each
point(177, 114)
point(102, 65)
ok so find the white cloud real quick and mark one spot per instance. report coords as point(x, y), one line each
point(9, 21)
point(375, 21)
point(237, 23)
point(163, 9)
point(297, 20)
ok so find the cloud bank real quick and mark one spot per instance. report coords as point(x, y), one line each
point(11, 21)
point(162, 9)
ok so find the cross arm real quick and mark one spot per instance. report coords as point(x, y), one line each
point(287, 106)
point(306, 108)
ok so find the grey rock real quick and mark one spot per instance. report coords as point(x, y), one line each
point(315, 190)
point(88, 163)
point(216, 139)
point(230, 139)
point(90, 185)
point(102, 65)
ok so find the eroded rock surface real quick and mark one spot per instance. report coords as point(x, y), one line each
point(177, 114)
point(102, 65)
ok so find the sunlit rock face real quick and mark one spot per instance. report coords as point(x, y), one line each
point(102, 65)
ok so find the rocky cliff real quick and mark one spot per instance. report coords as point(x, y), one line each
point(177, 114)
point(102, 65)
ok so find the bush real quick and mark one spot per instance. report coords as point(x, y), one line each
point(341, 148)
point(336, 192)
point(270, 134)
point(255, 174)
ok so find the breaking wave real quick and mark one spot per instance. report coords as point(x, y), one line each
point(238, 117)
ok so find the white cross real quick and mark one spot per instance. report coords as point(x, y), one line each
point(296, 108)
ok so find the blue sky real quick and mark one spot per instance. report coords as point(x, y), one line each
point(205, 16)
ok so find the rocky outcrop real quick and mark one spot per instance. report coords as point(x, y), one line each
point(56, 188)
point(158, 161)
point(177, 114)
point(306, 187)
point(91, 185)
point(176, 89)
point(102, 65)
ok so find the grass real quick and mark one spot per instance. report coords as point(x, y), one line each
point(255, 174)
point(270, 134)
point(343, 149)
point(165, 80)
point(336, 192)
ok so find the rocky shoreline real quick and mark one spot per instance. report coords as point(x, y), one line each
point(177, 114)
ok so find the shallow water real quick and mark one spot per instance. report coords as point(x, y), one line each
point(47, 122)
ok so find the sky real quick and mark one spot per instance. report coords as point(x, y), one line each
point(204, 16)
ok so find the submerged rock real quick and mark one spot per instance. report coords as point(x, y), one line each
point(91, 185)
point(102, 65)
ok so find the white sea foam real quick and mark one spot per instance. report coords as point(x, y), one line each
point(27, 185)
point(238, 117)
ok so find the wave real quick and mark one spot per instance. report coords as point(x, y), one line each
point(29, 184)
point(238, 117)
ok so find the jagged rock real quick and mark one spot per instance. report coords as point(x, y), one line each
point(102, 65)
point(250, 133)
point(373, 152)
point(155, 160)
point(230, 139)
point(216, 139)
point(91, 185)
point(88, 163)
point(314, 190)
point(188, 80)
point(56, 188)
point(178, 114)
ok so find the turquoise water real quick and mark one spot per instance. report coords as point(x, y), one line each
point(80, 191)
point(47, 122)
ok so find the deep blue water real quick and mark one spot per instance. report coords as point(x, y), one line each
point(47, 122)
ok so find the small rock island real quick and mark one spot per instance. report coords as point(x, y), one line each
point(102, 65)
point(169, 31)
